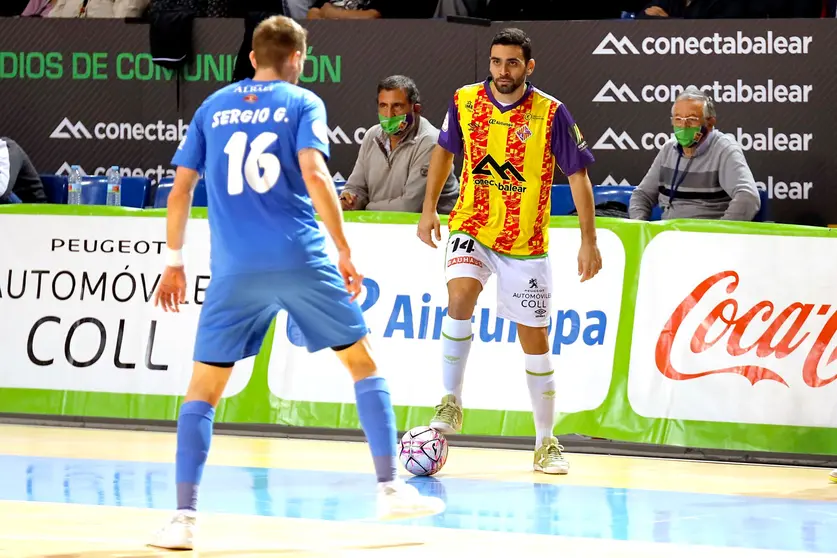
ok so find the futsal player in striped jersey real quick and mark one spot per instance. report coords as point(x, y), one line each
point(512, 137)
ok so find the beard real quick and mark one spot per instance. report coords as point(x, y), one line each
point(509, 87)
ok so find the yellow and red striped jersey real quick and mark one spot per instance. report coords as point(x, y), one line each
point(510, 154)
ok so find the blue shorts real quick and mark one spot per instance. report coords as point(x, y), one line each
point(238, 310)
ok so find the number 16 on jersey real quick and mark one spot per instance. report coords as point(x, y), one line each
point(257, 161)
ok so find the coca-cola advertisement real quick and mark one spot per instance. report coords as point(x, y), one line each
point(736, 328)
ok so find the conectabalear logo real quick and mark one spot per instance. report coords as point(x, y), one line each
point(737, 324)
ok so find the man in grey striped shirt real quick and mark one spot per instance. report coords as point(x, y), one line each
point(699, 174)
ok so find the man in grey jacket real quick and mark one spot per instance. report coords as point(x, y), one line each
point(391, 169)
point(701, 173)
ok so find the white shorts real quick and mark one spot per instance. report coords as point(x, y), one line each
point(524, 286)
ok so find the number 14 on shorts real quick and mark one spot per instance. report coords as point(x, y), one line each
point(463, 244)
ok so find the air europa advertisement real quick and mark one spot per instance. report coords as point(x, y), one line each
point(405, 302)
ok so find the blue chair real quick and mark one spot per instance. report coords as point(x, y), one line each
point(160, 193)
point(656, 213)
point(55, 188)
point(624, 196)
point(562, 197)
point(135, 191)
point(761, 216)
point(161, 196)
point(562, 200)
point(94, 190)
point(619, 194)
point(10, 199)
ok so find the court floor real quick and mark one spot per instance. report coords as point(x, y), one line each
point(80, 493)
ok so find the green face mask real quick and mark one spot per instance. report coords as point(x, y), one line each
point(394, 125)
point(686, 136)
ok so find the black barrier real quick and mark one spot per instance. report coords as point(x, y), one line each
point(86, 92)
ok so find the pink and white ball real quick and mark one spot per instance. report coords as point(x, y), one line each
point(423, 451)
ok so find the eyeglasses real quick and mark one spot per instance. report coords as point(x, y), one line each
point(690, 122)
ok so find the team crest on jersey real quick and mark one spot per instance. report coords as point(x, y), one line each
point(250, 98)
point(523, 133)
point(469, 105)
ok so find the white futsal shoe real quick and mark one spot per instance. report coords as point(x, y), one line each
point(399, 500)
point(179, 533)
point(549, 458)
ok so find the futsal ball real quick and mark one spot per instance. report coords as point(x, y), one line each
point(423, 451)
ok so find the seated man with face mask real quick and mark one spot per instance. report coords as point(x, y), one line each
point(391, 169)
point(701, 173)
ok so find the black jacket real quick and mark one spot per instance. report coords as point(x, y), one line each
point(24, 181)
point(785, 8)
point(704, 9)
point(724, 9)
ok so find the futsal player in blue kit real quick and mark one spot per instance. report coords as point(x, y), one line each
point(262, 145)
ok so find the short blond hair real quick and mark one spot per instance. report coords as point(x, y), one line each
point(276, 39)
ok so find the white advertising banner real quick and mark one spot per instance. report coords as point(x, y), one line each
point(405, 299)
point(76, 306)
point(736, 328)
point(76, 313)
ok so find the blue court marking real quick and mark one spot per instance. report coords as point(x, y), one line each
point(519, 507)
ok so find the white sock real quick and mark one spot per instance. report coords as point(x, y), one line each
point(540, 376)
point(456, 344)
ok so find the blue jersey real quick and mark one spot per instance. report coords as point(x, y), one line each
point(245, 139)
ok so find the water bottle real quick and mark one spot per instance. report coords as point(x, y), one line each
point(74, 186)
point(114, 186)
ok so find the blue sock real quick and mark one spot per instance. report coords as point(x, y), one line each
point(194, 432)
point(377, 418)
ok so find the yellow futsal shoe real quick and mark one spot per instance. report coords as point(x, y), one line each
point(833, 476)
point(549, 459)
point(448, 417)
